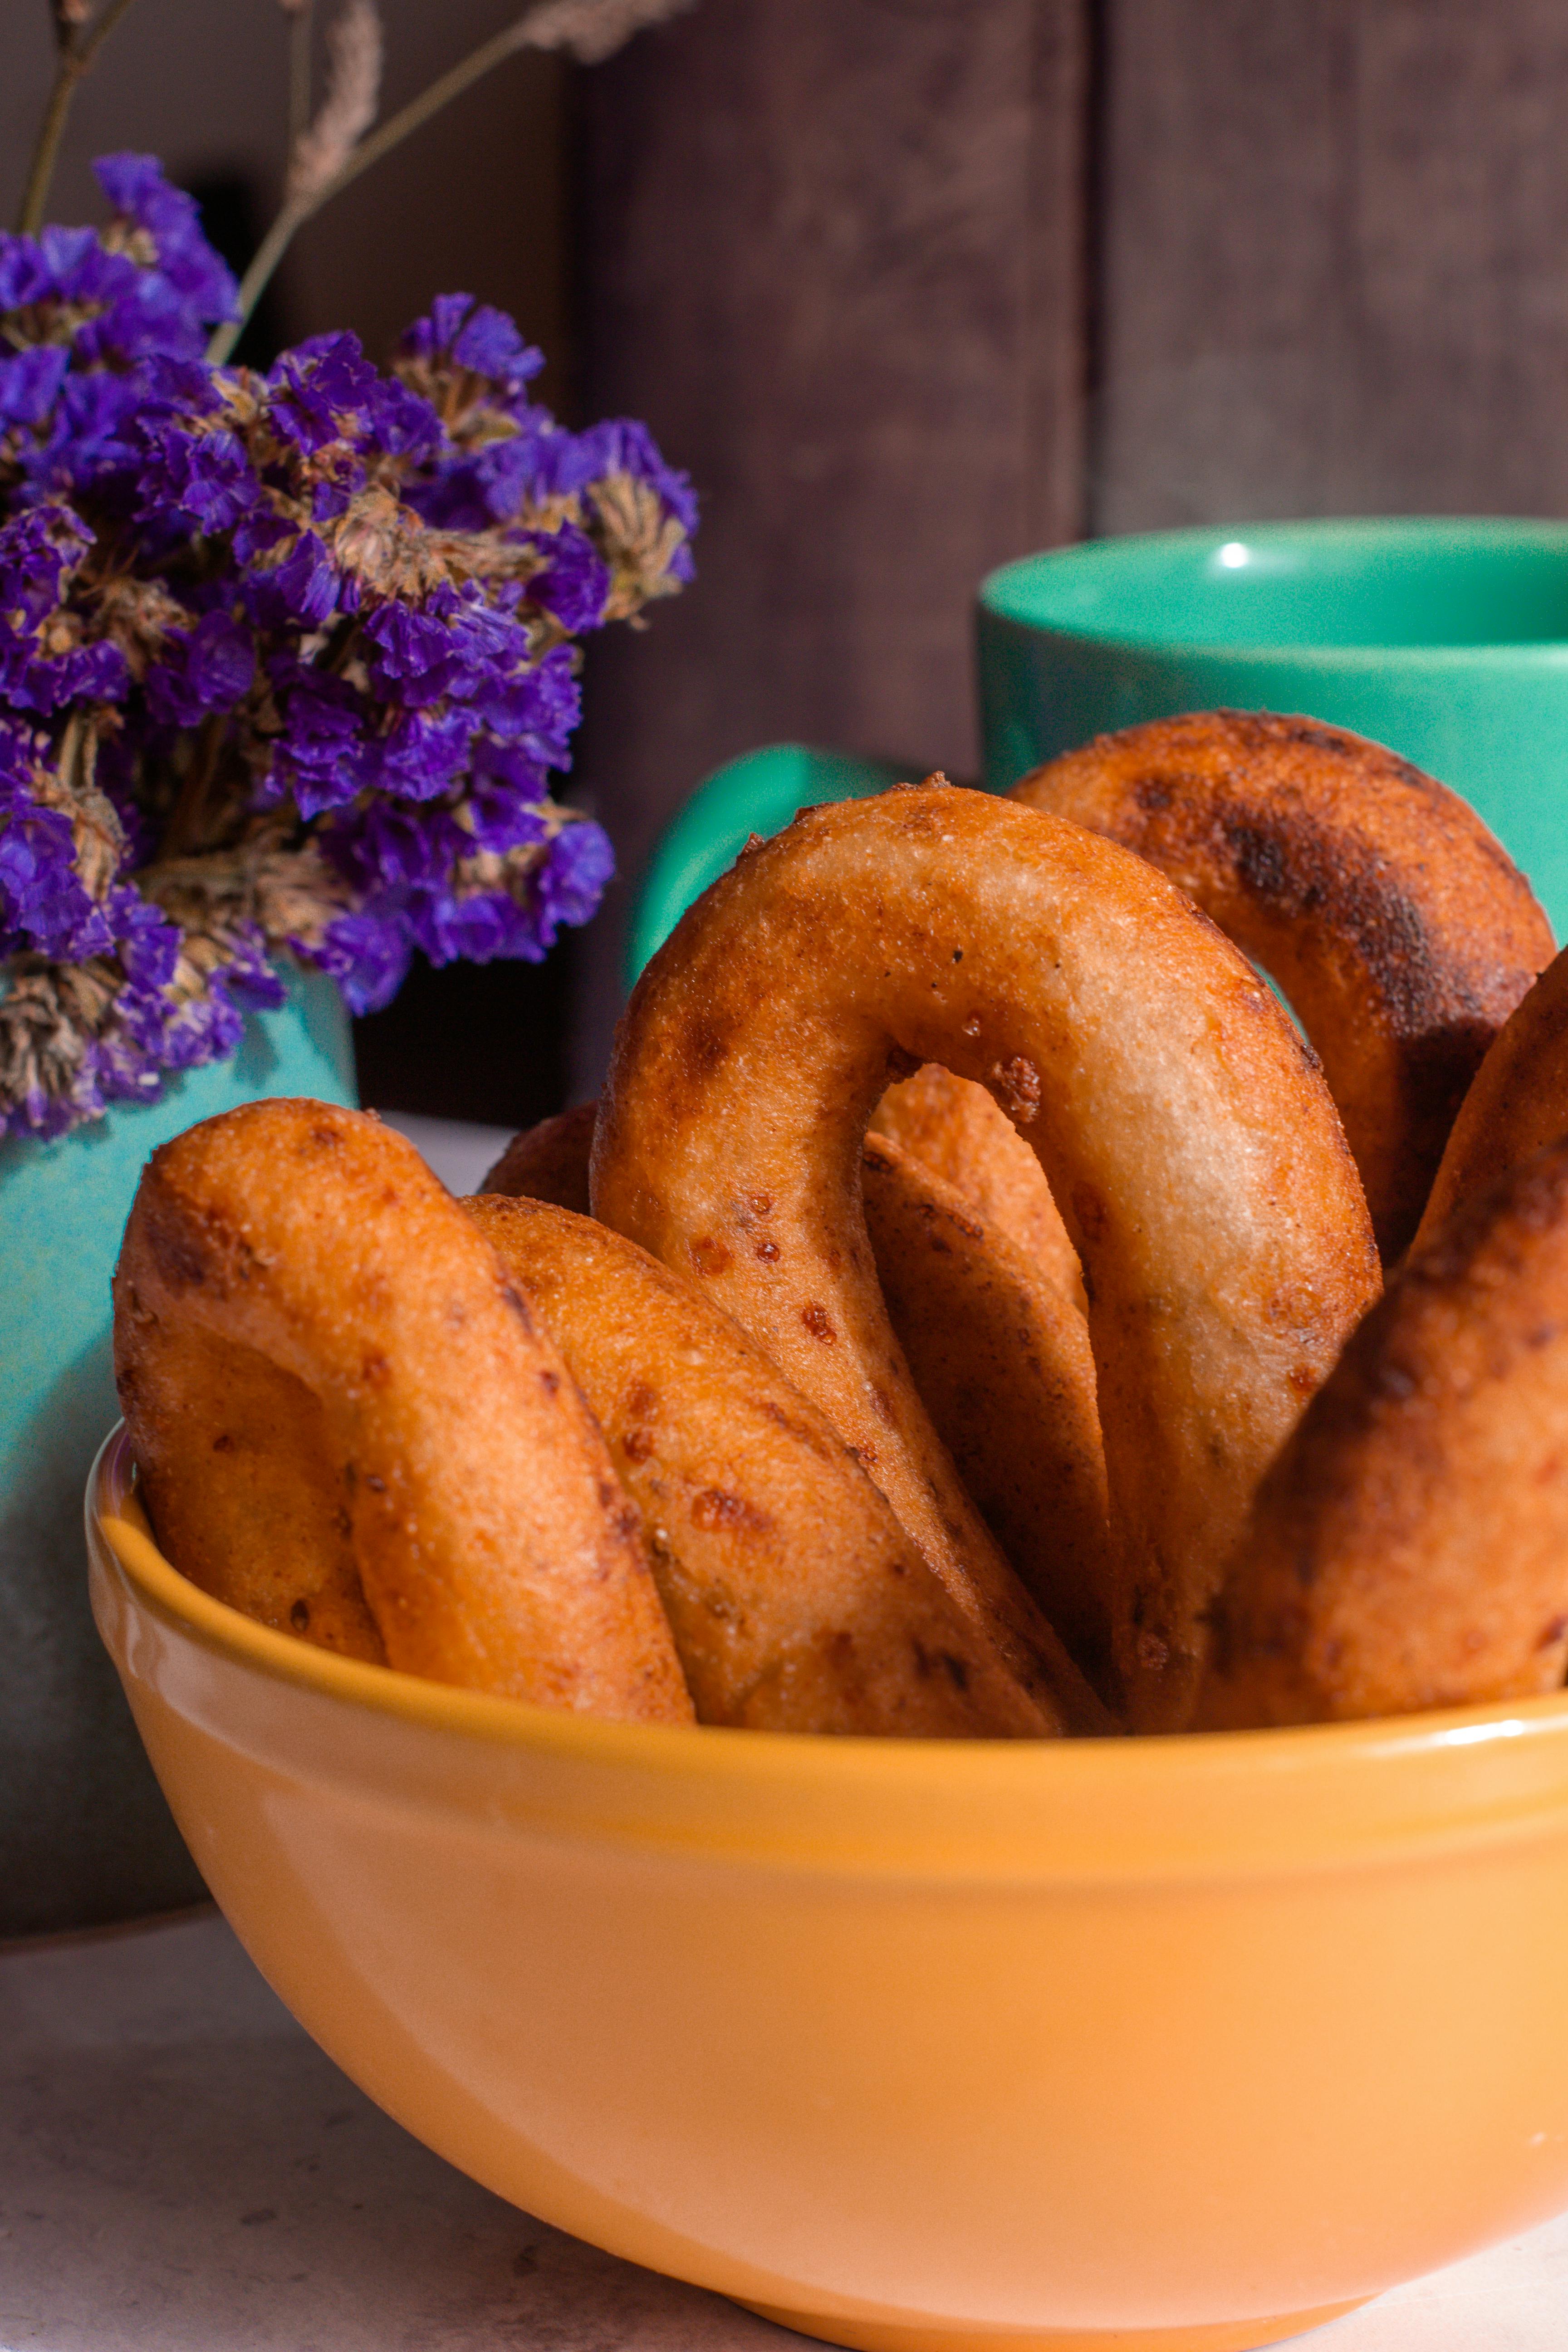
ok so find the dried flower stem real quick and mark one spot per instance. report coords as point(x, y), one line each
point(300, 31)
point(353, 91)
point(79, 47)
point(590, 29)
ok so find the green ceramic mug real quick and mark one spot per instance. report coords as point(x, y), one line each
point(1447, 640)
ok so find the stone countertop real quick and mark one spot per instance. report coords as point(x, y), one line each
point(182, 2170)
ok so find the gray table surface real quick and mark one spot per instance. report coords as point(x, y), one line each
point(182, 2170)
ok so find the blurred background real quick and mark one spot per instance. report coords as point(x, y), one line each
point(910, 287)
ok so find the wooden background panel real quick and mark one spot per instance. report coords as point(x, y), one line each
point(832, 250)
point(1333, 260)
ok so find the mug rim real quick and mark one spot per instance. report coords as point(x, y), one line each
point(1476, 534)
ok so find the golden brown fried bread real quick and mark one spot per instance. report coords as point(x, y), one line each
point(953, 1126)
point(949, 1124)
point(997, 1350)
point(1185, 1133)
point(1410, 1547)
point(550, 1161)
point(250, 1502)
point(1518, 1102)
point(798, 1604)
point(1392, 919)
point(1001, 1363)
point(492, 1540)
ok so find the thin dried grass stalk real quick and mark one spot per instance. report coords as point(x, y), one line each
point(355, 49)
point(592, 30)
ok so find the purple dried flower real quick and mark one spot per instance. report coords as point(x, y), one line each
point(369, 582)
point(45, 906)
point(461, 333)
point(575, 584)
point(146, 942)
point(322, 755)
point(322, 390)
point(60, 270)
point(291, 579)
point(206, 669)
point(368, 955)
point(30, 384)
point(43, 662)
point(168, 217)
point(423, 755)
point(87, 445)
point(195, 482)
point(573, 878)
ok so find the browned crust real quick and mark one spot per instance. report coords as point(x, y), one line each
point(1518, 1102)
point(1410, 1548)
point(995, 1342)
point(1391, 919)
point(1001, 1358)
point(550, 1161)
point(492, 1539)
point(950, 1125)
point(955, 1128)
point(1183, 1130)
point(797, 1602)
point(247, 1496)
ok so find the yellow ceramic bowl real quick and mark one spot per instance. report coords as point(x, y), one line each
point(1169, 2043)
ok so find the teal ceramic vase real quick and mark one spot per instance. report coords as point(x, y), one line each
point(85, 1836)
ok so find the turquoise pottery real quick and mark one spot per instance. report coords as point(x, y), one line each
point(1447, 640)
point(85, 1835)
point(757, 794)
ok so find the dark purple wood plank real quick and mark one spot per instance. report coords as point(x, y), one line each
point(833, 252)
point(1333, 254)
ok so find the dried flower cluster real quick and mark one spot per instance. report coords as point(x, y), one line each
point(286, 661)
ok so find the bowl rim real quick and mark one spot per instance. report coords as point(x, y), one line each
point(1475, 531)
point(116, 1525)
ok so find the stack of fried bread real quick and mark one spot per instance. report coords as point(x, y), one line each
point(963, 1315)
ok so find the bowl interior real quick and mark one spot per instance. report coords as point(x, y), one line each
point(1407, 583)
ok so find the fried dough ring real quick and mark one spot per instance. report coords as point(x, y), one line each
point(1000, 1361)
point(1518, 1102)
point(248, 1500)
point(1224, 1268)
point(1391, 919)
point(550, 1161)
point(1410, 1547)
point(495, 1546)
point(797, 1602)
point(953, 1126)
point(946, 1123)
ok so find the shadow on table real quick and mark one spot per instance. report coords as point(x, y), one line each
point(181, 2170)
